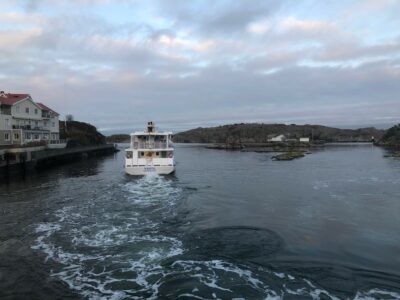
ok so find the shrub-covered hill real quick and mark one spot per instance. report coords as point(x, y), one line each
point(80, 134)
point(118, 138)
point(392, 137)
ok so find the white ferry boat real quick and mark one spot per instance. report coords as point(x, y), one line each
point(150, 152)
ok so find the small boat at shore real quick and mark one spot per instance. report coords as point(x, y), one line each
point(150, 152)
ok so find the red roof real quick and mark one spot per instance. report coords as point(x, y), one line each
point(11, 99)
point(44, 107)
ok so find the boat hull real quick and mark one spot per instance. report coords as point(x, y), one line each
point(147, 170)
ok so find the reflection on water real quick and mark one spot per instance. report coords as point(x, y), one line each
point(227, 225)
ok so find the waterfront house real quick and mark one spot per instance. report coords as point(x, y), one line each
point(24, 121)
point(304, 140)
point(277, 138)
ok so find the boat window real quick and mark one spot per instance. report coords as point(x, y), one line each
point(157, 153)
point(164, 154)
point(128, 154)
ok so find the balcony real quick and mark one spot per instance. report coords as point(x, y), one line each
point(29, 127)
point(25, 127)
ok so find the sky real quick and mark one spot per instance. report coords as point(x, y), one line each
point(190, 63)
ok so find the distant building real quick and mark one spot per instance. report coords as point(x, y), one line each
point(23, 121)
point(278, 138)
point(304, 140)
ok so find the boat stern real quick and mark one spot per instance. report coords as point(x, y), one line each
point(148, 170)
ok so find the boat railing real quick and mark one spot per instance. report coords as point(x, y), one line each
point(151, 145)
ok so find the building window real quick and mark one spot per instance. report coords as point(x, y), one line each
point(28, 136)
point(6, 136)
point(36, 136)
point(45, 123)
point(53, 124)
point(36, 111)
point(7, 123)
point(16, 136)
point(27, 110)
point(36, 123)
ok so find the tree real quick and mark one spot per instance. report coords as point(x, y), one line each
point(69, 118)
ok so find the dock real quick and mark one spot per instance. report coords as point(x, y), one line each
point(19, 161)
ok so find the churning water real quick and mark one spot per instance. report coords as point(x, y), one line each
point(228, 225)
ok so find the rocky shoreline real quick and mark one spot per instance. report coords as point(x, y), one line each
point(288, 156)
point(393, 154)
point(288, 150)
point(265, 147)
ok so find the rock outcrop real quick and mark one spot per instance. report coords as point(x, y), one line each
point(80, 134)
point(118, 138)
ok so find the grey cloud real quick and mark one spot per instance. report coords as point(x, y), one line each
point(218, 94)
point(218, 17)
point(32, 5)
point(338, 51)
point(237, 16)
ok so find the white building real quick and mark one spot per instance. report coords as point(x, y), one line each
point(278, 138)
point(304, 140)
point(23, 121)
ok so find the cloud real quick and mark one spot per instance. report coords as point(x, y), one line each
point(356, 51)
point(187, 63)
point(259, 27)
point(297, 25)
point(218, 17)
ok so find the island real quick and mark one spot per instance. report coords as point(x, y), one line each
point(258, 134)
point(292, 140)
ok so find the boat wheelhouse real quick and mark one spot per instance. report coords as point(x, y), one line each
point(150, 152)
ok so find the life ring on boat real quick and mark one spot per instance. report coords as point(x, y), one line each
point(170, 155)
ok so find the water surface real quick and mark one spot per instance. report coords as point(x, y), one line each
point(226, 225)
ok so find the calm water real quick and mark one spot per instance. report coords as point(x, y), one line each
point(226, 225)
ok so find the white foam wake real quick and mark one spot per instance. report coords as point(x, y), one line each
point(113, 245)
point(113, 248)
